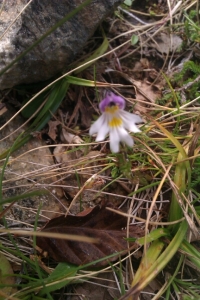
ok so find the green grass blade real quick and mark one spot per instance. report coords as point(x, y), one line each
point(53, 283)
point(182, 177)
point(158, 265)
point(153, 236)
point(32, 107)
point(175, 211)
point(148, 260)
point(24, 196)
point(80, 81)
point(98, 52)
point(192, 253)
point(55, 98)
point(170, 280)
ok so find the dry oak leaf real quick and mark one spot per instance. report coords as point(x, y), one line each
point(101, 224)
point(53, 130)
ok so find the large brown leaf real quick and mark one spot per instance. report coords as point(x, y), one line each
point(101, 224)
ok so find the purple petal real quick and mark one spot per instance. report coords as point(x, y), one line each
point(109, 99)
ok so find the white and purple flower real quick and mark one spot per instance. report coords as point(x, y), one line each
point(115, 121)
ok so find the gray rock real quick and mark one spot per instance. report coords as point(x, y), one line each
point(56, 51)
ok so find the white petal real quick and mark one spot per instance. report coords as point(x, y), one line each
point(100, 127)
point(132, 127)
point(103, 131)
point(125, 137)
point(114, 140)
point(129, 121)
point(97, 125)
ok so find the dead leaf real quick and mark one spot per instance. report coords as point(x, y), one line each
point(64, 155)
point(145, 90)
point(59, 153)
point(101, 224)
point(165, 43)
point(70, 138)
point(68, 157)
point(53, 129)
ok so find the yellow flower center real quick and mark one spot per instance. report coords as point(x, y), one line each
point(112, 109)
point(115, 122)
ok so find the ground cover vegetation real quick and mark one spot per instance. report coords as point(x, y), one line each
point(124, 225)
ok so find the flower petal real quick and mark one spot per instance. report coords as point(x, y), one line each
point(97, 125)
point(114, 140)
point(129, 121)
point(111, 98)
point(118, 100)
point(103, 131)
point(125, 137)
point(100, 127)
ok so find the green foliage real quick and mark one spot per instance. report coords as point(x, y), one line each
point(139, 166)
point(5, 279)
point(115, 172)
point(128, 2)
point(190, 71)
point(58, 278)
point(134, 39)
point(191, 26)
point(189, 66)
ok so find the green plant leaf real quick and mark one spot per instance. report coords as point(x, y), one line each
point(80, 81)
point(134, 39)
point(6, 278)
point(98, 52)
point(148, 260)
point(156, 265)
point(54, 100)
point(153, 236)
point(192, 253)
point(32, 107)
point(128, 2)
point(52, 283)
